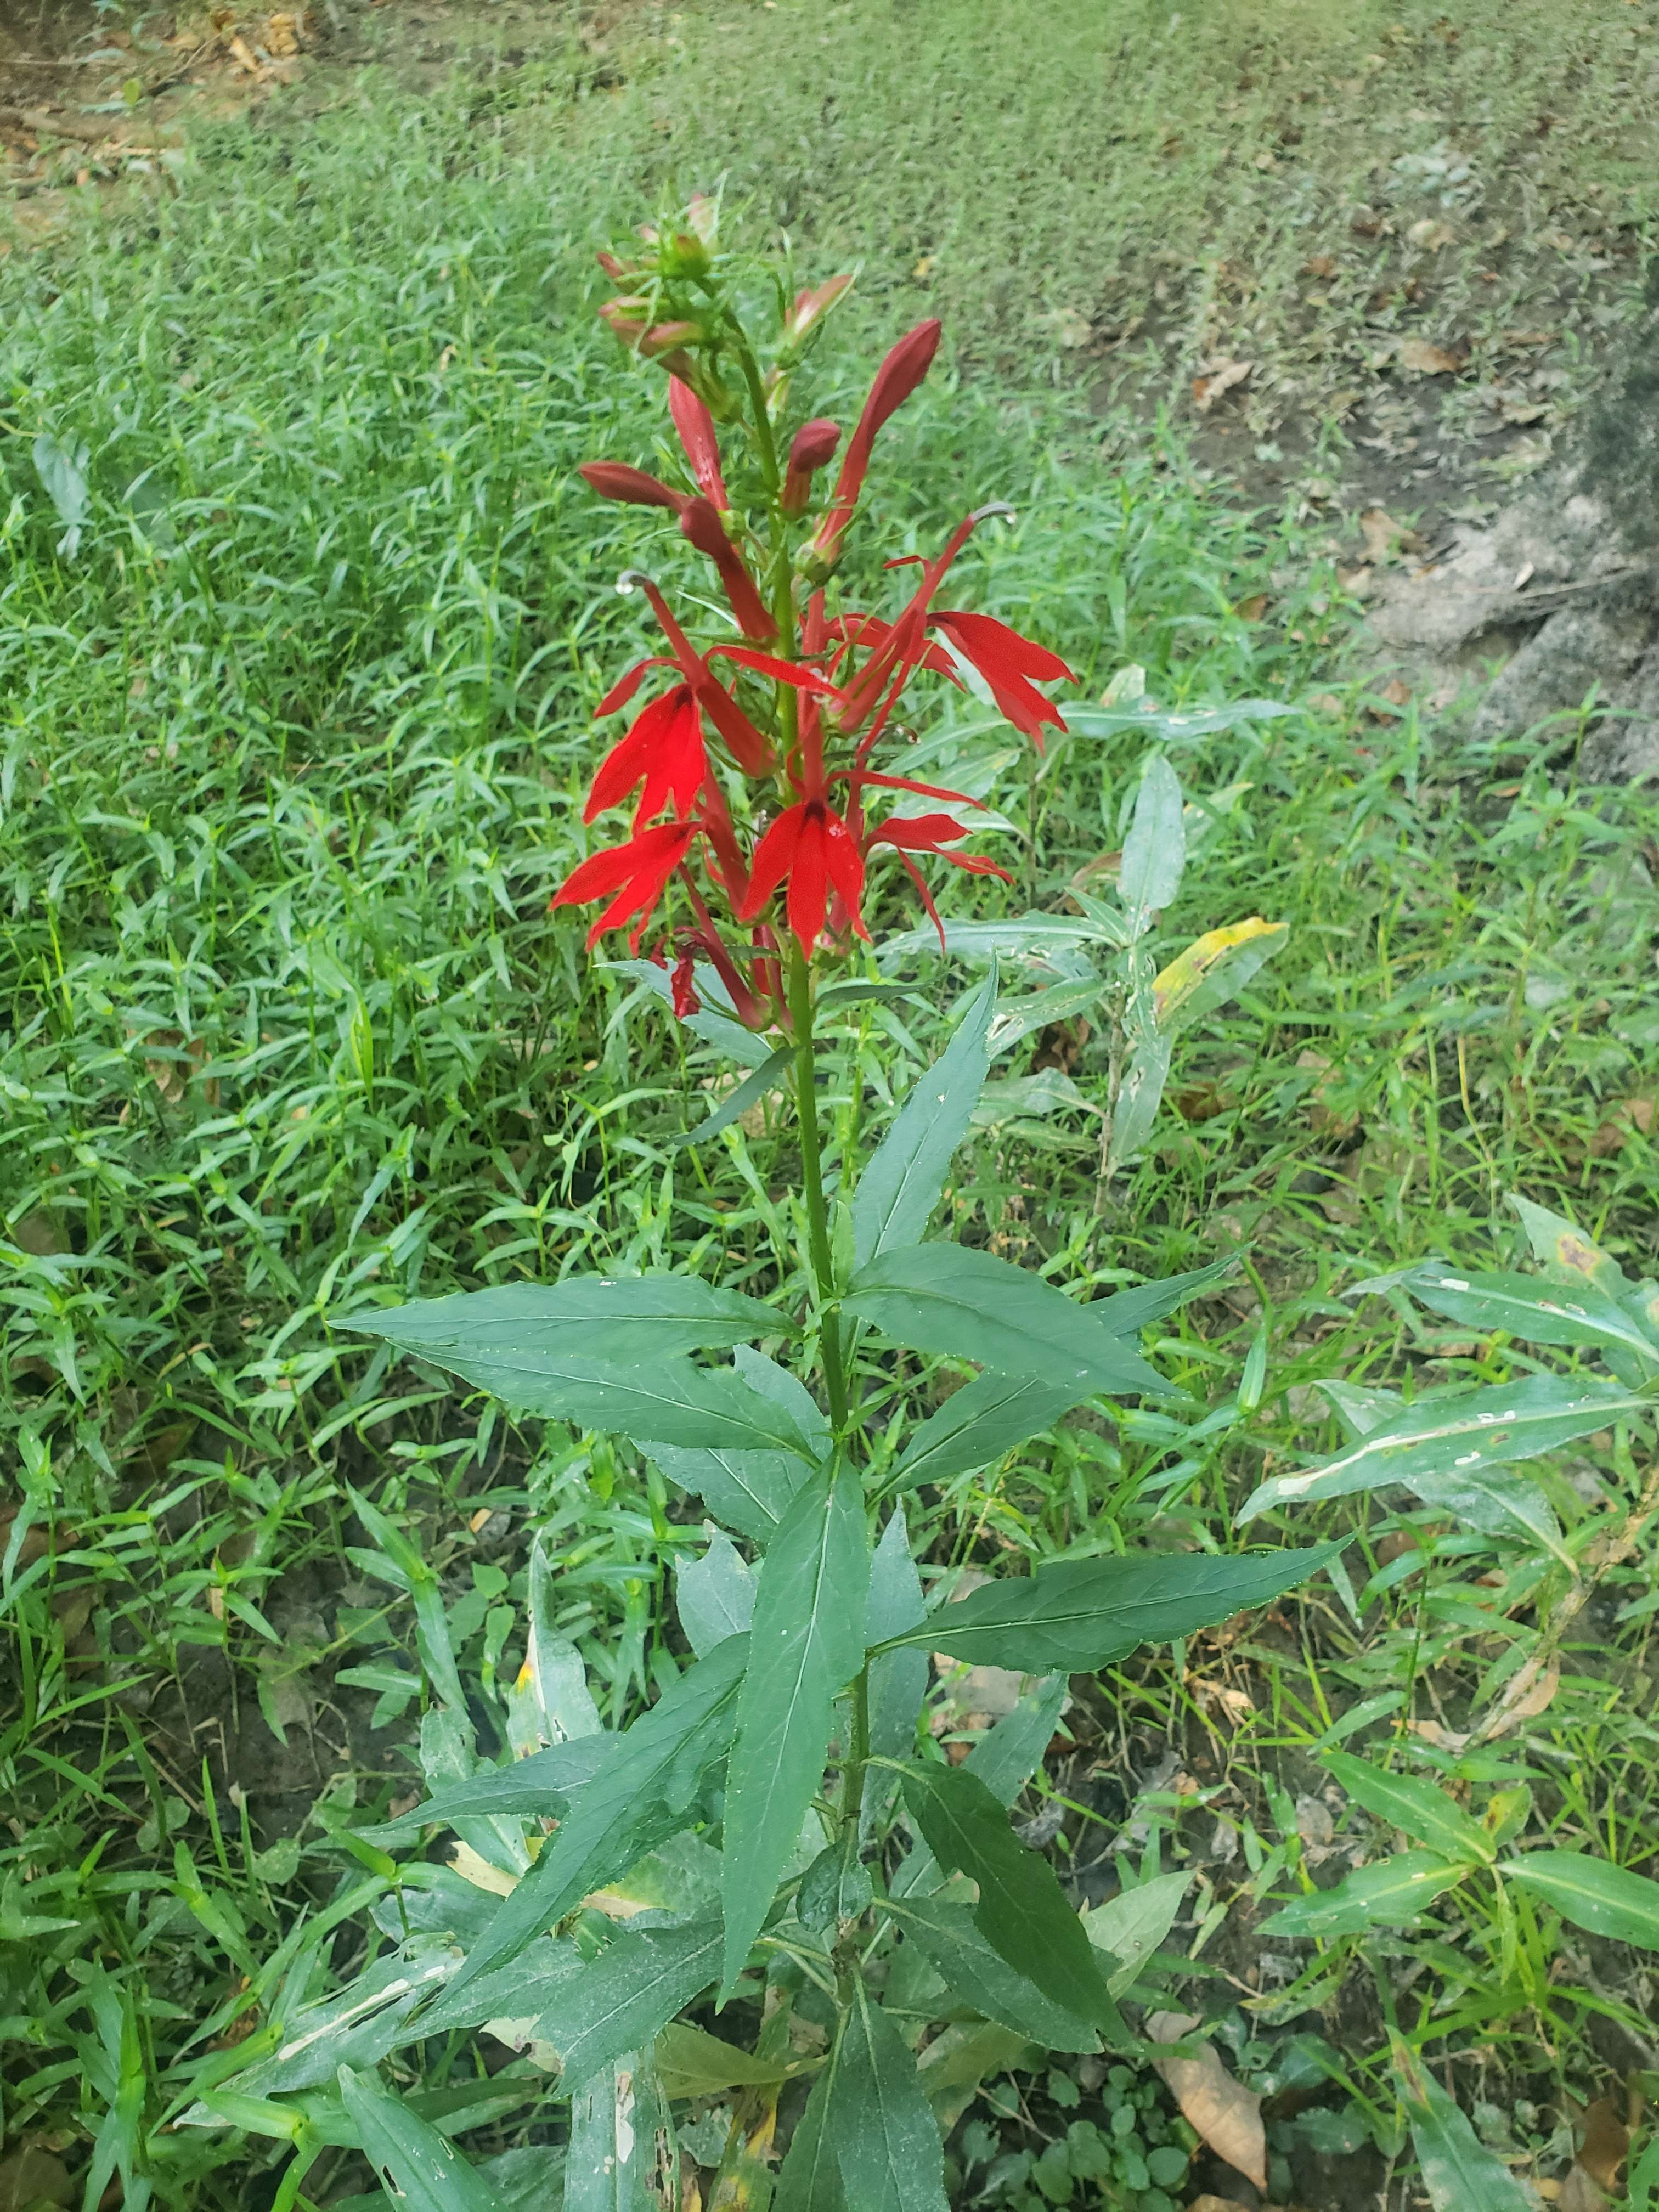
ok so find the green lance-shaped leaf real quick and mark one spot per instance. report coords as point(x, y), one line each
point(898, 1679)
point(983, 1978)
point(1498, 1502)
point(397, 1561)
point(1540, 1312)
point(659, 1401)
point(750, 1490)
point(622, 2142)
point(968, 1304)
point(1181, 726)
point(1022, 1912)
point(421, 2168)
point(617, 1319)
point(1155, 850)
point(620, 1999)
point(807, 1641)
point(354, 2026)
point(1421, 1808)
point(715, 1596)
point(1457, 1431)
point(550, 1702)
point(1567, 1254)
point(809, 2179)
point(901, 1184)
point(749, 1092)
point(1130, 1926)
point(878, 2121)
point(691, 2062)
point(639, 1799)
point(1022, 937)
point(1460, 2173)
point(978, 1424)
point(1085, 1614)
point(1603, 1899)
point(542, 1786)
point(1391, 1894)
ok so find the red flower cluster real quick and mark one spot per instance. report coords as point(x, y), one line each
point(833, 685)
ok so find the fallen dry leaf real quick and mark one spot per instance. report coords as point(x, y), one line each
point(1606, 2142)
point(1208, 2203)
point(1314, 1823)
point(1430, 235)
point(1252, 609)
point(1579, 2193)
point(1384, 535)
point(1527, 1697)
point(1226, 2114)
point(1323, 265)
point(1425, 358)
point(34, 2177)
point(1630, 1117)
point(1206, 389)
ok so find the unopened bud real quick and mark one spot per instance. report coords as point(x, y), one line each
point(813, 446)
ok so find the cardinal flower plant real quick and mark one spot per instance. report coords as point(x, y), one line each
point(768, 1907)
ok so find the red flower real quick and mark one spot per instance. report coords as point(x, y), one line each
point(637, 872)
point(748, 747)
point(811, 448)
point(664, 751)
point(812, 846)
point(895, 380)
point(701, 524)
point(1008, 662)
point(930, 833)
point(696, 428)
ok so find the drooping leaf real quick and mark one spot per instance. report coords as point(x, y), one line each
point(1130, 1926)
point(356, 2026)
point(639, 1798)
point(614, 1319)
point(715, 1596)
point(622, 2152)
point(1022, 937)
point(978, 1424)
point(1421, 1808)
point(1453, 1432)
point(1391, 1893)
point(715, 1022)
point(1088, 1613)
point(1592, 1894)
point(749, 1092)
point(1500, 1503)
point(1539, 1312)
point(879, 2122)
point(1155, 850)
point(968, 1304)
point(543, 1785)
point(1460, 2173)
point(901, 1184)
point(807, 1641)
point(837, 1886)
point(1213, 969)
point(620, 1999)
point(983, 1978)
point(421, 2168)
point(550, 1702)
point(691, 2062)
point(1022, 1912)
point(1144, 1079)
point(1061, 1002)
point(898, 1679)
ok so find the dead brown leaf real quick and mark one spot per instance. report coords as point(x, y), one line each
point(1630, 1117)
point(1424, 358)
point(1252, 609)
point(1579, 2193)
point(1430, 235)
point(1226, 2114)
point(1209, 2203)
point(1222, 377)
point(34, 2177)
point(1323, 265)
point(1606, 2144)
point(1384, 535)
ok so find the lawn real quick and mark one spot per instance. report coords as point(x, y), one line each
point(303, 617)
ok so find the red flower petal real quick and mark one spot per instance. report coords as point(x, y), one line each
point(696, 428)
point(632, 486)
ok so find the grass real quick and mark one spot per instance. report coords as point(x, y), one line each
point(293, 742)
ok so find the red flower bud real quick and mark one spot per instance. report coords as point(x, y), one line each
point(701, 524)
point(618, 271)
point(811, 307)
point(696, 428)
point(631, 487)
point(813, 446)
point(668, 337)
point(895, 380)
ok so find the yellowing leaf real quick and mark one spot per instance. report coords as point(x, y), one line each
point(1176, 988)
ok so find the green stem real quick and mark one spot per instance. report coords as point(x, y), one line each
point(817, 1218)
point(857, 1752)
